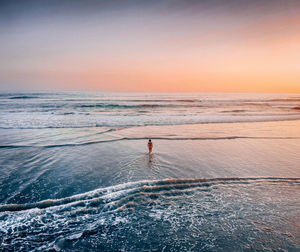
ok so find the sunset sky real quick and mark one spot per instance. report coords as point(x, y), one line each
point(152, 46)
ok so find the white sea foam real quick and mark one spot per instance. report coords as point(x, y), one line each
point(111, 194)
point(75, 110)
point(224, 208)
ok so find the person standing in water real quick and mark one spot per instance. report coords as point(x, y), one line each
point(150, 146)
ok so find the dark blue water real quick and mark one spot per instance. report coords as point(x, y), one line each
point(75, 174)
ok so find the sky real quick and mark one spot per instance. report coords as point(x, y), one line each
point(150, 46)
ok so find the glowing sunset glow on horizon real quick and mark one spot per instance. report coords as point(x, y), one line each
point(163, 46)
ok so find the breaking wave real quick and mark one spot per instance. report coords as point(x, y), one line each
point(170, 214)
point(119, 193)
point(22, 97)
point(120, 106)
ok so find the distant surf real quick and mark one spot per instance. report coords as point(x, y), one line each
point(79, 109)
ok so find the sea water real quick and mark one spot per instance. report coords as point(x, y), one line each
point(75, 174)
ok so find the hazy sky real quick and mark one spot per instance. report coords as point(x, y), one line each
point(149, 45)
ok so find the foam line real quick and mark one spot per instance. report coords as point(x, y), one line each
point(113, 194)
point(241, 118)
point(140, 138)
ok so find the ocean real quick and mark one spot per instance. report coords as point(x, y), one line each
point(75, 173)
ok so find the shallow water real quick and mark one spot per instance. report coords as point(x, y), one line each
point(88, 182)
point(208, 215)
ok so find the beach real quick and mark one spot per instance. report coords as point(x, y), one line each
point(76, 174)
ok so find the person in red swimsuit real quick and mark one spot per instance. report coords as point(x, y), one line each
point(150, 146)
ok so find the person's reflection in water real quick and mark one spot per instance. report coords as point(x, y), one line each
point(152, 162)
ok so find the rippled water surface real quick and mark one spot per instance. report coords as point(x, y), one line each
point(75, 174)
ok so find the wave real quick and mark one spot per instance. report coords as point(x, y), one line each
point(234, 111)
point(193, 100)
point(60, 127)
point(140, 138)
point(22, 97)
point(171, 104)
point(144, 100)
point(120, 194)
point(184, 120)
point(286, 100)
point(205, 210)
point(119, 106)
